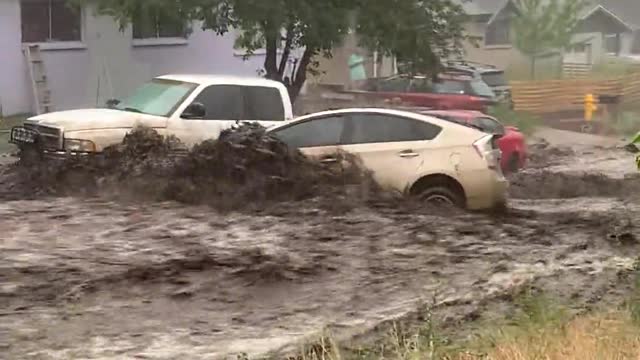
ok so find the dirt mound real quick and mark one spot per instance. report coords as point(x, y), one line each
point(556, 185)
point(244, 167)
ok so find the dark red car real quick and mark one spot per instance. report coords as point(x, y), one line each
point(450, 91)
point(512, 143)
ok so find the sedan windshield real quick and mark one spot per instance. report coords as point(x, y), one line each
point(159, 97)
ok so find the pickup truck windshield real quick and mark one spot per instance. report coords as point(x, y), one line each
point(494, 79)
point(159, 97)
point(480, 88)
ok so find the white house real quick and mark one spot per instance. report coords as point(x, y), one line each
point(88, 59)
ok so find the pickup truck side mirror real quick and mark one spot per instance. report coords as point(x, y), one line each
point(111, 103)
point(195, 110)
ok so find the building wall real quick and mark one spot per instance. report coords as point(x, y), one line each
point(501, 56)
point(14, 92)
point(107, 63)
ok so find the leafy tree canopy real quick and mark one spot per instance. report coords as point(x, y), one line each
point(418, 31)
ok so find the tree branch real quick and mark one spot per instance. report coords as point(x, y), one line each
point(286, 52)
point(271, 57)
point(300, 77)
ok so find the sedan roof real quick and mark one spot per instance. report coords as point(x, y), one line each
point(417, 115)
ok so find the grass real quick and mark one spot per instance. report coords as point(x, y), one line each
point(6, 124)
point(540, 328)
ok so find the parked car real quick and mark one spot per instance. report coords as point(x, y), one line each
point(417, 154)
point(512, 142)
point(191, 107)
point(450, 91)
point(495, 78)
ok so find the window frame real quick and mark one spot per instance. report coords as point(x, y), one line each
point(346, 129)
point(498, 24)
point(247, 97)
point(244, 101)
point(616, 38)
point(159, 40)
point(205, 88)
point(348, 136)
point(49, 43)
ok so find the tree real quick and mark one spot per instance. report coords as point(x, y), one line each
point(421, 31)
point(541, 26)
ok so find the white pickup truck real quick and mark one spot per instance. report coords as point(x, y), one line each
point(194, 108)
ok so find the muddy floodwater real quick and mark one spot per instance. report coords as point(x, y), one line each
point(94, 278)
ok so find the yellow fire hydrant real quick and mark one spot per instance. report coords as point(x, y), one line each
point(589, 107)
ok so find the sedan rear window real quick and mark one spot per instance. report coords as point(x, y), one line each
point(325, 131)
point(378, 128)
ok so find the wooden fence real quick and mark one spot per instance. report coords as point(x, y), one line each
point(548, 96)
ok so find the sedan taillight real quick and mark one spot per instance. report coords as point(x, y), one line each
point(487, 149)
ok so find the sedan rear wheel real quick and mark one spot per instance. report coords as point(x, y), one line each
point(441, 196)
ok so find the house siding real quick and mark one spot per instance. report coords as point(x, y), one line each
point(14, 93)
point(501, 56)
point(109, 65)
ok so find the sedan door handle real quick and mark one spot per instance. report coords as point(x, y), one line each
point(409, 154)
point(328, 160)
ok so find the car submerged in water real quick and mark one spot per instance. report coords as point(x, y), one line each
point(419, 155)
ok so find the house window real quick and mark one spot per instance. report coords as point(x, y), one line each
point(612, 44)
point(155, 25)
point(49, 21)
point(499, 32)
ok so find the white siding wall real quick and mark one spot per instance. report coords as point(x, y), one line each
point(79, 76)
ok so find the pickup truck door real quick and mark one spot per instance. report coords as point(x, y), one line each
point(226, 106)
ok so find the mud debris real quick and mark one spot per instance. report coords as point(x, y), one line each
point(542, 154)
point(557, 185)
point(263, 281)
point(243, 168)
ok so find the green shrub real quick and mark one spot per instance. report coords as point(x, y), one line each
point(527, 123)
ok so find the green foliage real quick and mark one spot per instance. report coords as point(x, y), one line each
point(541, 26)
point(634, 300)
point(422, 32)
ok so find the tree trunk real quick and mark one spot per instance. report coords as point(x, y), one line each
point(286, 52)
point(300, 76)
point(533, 67)
point(271, 56)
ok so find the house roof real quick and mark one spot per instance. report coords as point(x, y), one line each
point(625, 11)
point(481, 7)
point(587, 12)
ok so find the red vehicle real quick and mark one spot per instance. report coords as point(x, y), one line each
point(512, 144)
point(450, 91)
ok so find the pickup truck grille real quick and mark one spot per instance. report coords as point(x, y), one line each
point(49, 138)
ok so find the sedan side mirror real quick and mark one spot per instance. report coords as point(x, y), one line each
point(195, 110)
